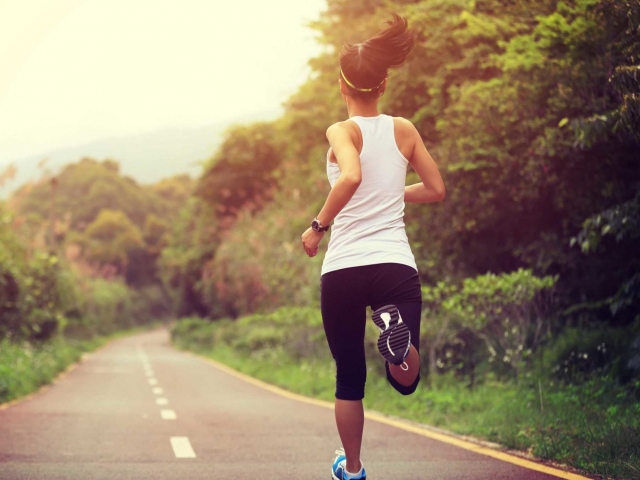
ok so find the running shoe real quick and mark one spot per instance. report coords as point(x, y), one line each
point(339, 469)
point(395, 338)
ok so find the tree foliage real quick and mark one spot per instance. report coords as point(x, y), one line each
point(528, 109)
point(71, 238)
point(110, 238)
point(241, 174)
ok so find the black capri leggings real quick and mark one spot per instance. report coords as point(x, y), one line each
point(344, 297)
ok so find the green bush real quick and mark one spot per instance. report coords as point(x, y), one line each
point(42, 295)
point(36, 288)
point(150, 302)
point(296, 330)
point(106, 306)
point(578, 353)
point(508, 313)
point(26, 366)
point(195, 332)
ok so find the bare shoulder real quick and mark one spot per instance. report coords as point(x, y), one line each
point(404, 128)
point(347, 129)
point(340, 128)
point(348, 126)
point(406, 136)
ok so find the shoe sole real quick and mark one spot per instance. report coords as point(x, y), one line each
point(395, 336)
point(394, 315)
point(394, 343)
point(333, 477)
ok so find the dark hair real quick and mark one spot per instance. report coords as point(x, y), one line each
point(365, 65)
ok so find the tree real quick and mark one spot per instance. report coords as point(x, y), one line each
point(99, 185)
point(110, 238)
point(240, 175)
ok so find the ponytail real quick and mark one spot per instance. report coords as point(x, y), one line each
point(364, 66)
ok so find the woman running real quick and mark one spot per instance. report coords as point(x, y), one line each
point(369, 261)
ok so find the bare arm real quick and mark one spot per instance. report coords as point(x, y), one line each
point(431, 189)
point(345, 187)
point(350, 173)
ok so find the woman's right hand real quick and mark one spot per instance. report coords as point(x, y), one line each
point(310, 241)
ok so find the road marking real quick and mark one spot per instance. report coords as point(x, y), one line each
point(153, 381)
point(182, 447)
point(162, 401)
point(149, 373)
point(157, 390)
point(403, 425)
point(168, 414)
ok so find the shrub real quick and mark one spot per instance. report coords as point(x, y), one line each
point(508, 312)
point(576, 354)
point(195, 332)
point(296, 330)
point(36, 290)
point(26, 366)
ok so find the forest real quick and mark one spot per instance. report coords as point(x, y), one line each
point(530, 267)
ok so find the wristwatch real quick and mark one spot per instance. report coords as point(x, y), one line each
point(316, 226)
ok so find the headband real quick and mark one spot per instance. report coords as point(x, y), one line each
point(360, 89)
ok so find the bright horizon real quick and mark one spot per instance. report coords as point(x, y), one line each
point(75, 71)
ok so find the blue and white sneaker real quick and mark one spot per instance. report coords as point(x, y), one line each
point(339, 469)
point(395, 338)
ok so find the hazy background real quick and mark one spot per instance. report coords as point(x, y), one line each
point(152, 84)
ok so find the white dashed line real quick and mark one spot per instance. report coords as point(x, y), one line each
point(149, 373)
point(182, 447)
point(168, 414)
point(157, 390)
point(162, 401)
point(153, 381)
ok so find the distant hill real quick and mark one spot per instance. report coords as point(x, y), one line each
point(147, 157)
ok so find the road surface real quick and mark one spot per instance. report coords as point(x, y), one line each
point(140, 409)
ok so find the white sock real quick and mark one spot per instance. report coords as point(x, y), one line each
point(353, 475)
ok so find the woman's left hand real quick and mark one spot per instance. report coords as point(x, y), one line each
point(310, 241)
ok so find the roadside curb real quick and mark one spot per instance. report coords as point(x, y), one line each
point(467, 443)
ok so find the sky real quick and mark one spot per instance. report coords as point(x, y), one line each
point(72, 71)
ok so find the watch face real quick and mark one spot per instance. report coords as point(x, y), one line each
point(315, 225)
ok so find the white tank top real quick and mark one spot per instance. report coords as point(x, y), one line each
point(370, 228)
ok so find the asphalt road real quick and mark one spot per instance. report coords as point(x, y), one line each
point(139, 409)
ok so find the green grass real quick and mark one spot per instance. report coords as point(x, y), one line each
point(25, 367)
point(594, 427)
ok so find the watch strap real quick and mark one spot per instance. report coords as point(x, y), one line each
point(320, 227)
